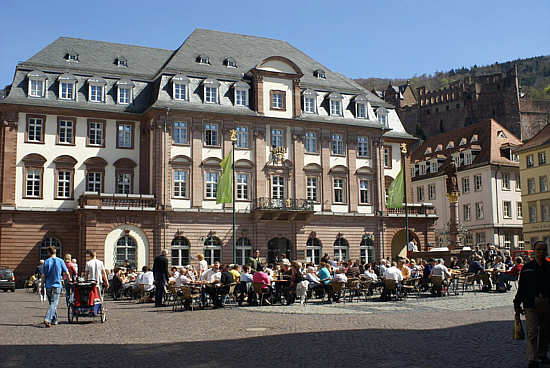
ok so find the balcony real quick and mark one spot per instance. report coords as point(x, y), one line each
point(268, 209)
point(413, 210)
point(108, 201)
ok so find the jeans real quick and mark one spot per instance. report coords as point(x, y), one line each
point(53, 299)
point(504, 278)
point(68, 293)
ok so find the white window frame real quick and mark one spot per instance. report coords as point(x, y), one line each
point(124, 98)
point(242, 137)
point(277, 100)
point(123, 183)
point(434, 167)
point(241, 97)
point(99, 97)
point(337, 144)
point(96, 132)
point(211, 136)
point(33, 182)
point(480, 213)
point(361, 110)
point(36, 126)
point(124, 135)
point(363, 146)
point(243, 251)
point(507, 209)
point(312, 185)
point(64, 183)
point(277, 137)
point(339, 190)
point(179, 132)
point(179, 91)
point(278, 187)
point(63, 94)
point(310, 103)
point(311, 142)
point(478, 183)
point(335, 107)
point(211, 184)
point(431, 192)
point(519, 210)
point(242, 181)
point(364, 191)
point(211, 94)
point(467, 212)
point(505, 181)
point(37, 92)
point(180, 183)
point(65, 126)
point(94, 181)
point(466, 184)
point(420, 193)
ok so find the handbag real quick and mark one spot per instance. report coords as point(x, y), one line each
point(519, 334)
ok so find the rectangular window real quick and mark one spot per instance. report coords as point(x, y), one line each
point(531, 186)
point(518, 182)
point(211, 94)
point(311, 142)
point(211, 134)
point(420, 194)
point(33, 183)
point(241, 97)
point(532, 206)
point(309, 105)
point(124, 183)
point(335, 107)
point(422, 169)
point(507, 209)
point(94, 181)
point(311, 188)
point(123, 95)
point(211, 185)
point(339, 190)
point(433, 166)
point(545, 210)
point(505, 181)
point(361, 111)
point(242, 186)
point(542, 158)
point(180, 91)
point(242, 137)
point(125, 135)
point(278, 100)
point(467, 158)
point(383, 119)
point(96, 133)
point(66, 91)
point(387, 157)
point(480, 239)
point(362, 146)
point(63, 184)
point(337, 144)
point(467, 212)
point(479, 211)
point(65, 131)
point(96, 93)
point(180, 183)
point(276, 137)
point(37, 88)
point(35, 130)
point(364, 191)
point(278, 187)
point(431, 192)
point(519, 210)
point(478, 184)
point(179, 133)
point(466, 185)
point(543, 183)
point(530, 162)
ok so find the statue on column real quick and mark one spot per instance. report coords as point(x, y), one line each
point(452, 181)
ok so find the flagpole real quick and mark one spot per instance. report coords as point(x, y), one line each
point(403, 164)
point(233, 140)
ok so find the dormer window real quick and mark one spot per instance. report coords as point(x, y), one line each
point(382, 116)
point(203, 59)
point(439, 148)
point(423, 168)
point(124, 89)
point(433, 166)
point(67, 87)
point(463, 142)
point(37, 84)
point(230, 62)
point(310, 101)
point(428, 151)
point(320, 74)
point(468, 158)
point(96, 89)
point(335, 104)
point(361, 107)
point(121, 62)
point(211, 87)
point(450, 145)
point(474, 138)
point(501, 134)
point(179, 87)
point(71, 56)
point(241, 93)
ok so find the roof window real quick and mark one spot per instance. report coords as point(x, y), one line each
point(203, 59)
point(121, 61)
point(474, 138)
point(428, 151)
point(230, 62)
point(501, 134)
point(71, 56)
point(439, 148)
point(463, 142)
point(450, 145)
point(320, 73)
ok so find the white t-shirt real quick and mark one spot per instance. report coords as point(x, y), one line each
point(94, 270)
point(148, 280)
point(340, 277)
point(182, 280)
point(393, 273)
point(441, 271)
point(203, 266)
point(370, 275)
point(412, 247)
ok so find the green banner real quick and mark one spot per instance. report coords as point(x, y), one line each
point(224, 193)
point(395, 191)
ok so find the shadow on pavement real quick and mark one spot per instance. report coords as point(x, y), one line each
point(472, 345)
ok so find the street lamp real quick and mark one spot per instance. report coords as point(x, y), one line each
point(403, 163)
point(233, 142)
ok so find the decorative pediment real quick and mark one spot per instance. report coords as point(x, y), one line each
point(338, 169)
point(181, 160)
point(65, 161)
point(211, 162)
point(95, 162)
point(313, 168)
point(244, 164)
point(364, 170)
point(279, 64)
point(34, 159)
point(124, 163)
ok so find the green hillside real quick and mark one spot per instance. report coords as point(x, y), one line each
point(534, 76)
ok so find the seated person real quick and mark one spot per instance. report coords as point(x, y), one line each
point(353, 270)
point(440, 270)
point(234, 269)
point(245, 285)
point(296, 286)
point(148, 280)
point(263, 279)
point(512, 275)
point(325, 279)
point(392, 273)
point(405, 270)
point(340, 277)
point(182, 277)
point(314, 283)
point(210, 278)
point(226, 280)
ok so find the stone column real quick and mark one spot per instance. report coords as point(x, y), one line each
point(296, 98)
point(260, 161)
point(378, 163)
point(453, 219)
point(299, 175)
point(353, 185)
point(196, 175)
point(227, 127)
point(325, 164)
point(8, 157)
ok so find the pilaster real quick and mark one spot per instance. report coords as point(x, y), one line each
point(196, 175)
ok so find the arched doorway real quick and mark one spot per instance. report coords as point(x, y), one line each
point(125, 251)
point(135, 234)
point(399, 243)
point(276, 247)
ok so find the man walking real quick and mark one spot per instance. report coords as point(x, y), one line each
point(95, 270)
point(534, 293)
point(160, 273)
point(52, 271)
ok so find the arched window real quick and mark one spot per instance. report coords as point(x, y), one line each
point(367, 250)
point(180, 251)
point(126, 251)
point(244, 250)
point(212, 249)
point(46, 243)
point(313, 251)
point(341, 249)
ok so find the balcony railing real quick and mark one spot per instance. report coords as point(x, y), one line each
point(413, 209)
point(92, 200)
point(283, 204)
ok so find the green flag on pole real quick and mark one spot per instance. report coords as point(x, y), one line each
point(224, 193)
point(395, 191)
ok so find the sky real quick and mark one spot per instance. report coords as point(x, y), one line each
point(360, 39)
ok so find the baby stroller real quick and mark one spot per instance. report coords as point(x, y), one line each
point(85, 301)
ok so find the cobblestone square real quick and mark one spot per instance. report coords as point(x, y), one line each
point(470, 330)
